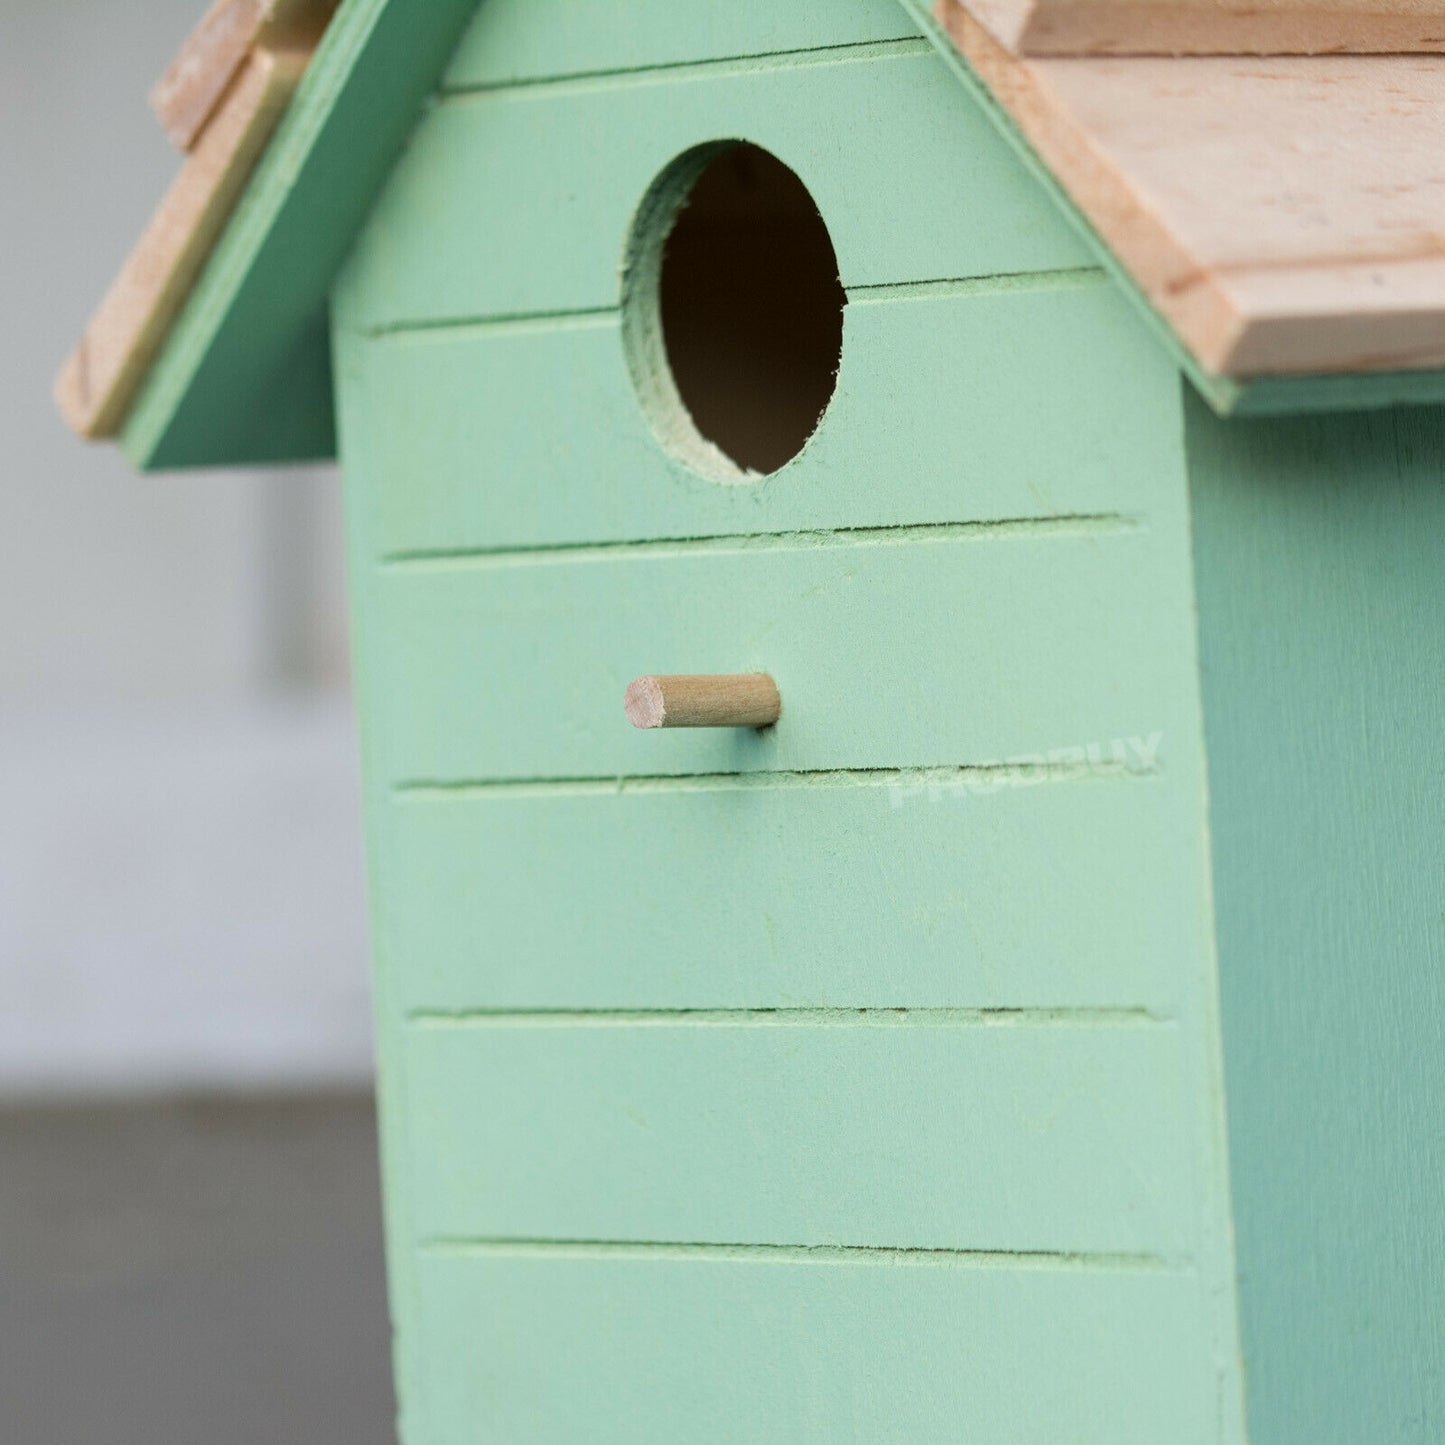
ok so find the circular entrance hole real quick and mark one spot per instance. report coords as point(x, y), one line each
point(732, 311)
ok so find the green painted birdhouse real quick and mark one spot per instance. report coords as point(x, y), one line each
point(998, 994)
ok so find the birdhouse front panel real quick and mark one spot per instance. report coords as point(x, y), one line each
point(857, 1076)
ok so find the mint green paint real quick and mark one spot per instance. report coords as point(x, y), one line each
point(784, 926)
point(1026, 1134)
point(1322, 620)
point(583, 155)
point(518, 471)
point(858, 1079)
point(1286, 395)
point(555, 1345)
point(519, 40)
point(890, 651)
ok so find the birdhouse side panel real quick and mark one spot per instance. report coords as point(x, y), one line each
point(1322, 620)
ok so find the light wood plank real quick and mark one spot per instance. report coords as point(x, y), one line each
point(900, 893)
point(186, 96)
point(1214, 27)
point(873, 1129)
point(1283, 215)
point(97, 383)
point(575, 162)
point(519, 40)
point(652, 1351)
point(1001, 645)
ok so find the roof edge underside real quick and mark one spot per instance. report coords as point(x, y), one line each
point(245, 372)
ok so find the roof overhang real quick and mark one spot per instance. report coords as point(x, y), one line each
point(242, 373)
point(1280, 219)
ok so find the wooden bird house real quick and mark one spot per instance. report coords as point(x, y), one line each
point(996, 995)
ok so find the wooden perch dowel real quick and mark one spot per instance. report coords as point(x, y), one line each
point(703, 700)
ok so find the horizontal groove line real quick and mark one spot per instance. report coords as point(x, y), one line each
point(1002, 283)
point(512, 323)
point(935, 784)
point(503, 323)
point(1069, 525)
point(820, 1254)
point(714, 66)
point(1045, 1018)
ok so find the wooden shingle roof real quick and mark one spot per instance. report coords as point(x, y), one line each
point(1284, 214)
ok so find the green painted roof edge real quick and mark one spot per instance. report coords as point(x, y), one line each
point(244, 375)
point(1228, 396)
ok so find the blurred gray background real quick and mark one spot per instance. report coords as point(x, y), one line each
point(189, 1230)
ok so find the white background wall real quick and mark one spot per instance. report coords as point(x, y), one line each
point(180, 892)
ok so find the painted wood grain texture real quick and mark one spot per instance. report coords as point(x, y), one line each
point(1280, 214)
point(973, 649)
point(1213, 27)
point(552, 1348)
point(97, 384)
point(900, 891)
point(1057, 404)
point(519, 40)
point(1322, 634)
point(585, 157)
point(862, 1129)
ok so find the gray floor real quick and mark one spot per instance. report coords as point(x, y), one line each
point(192, 1273)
